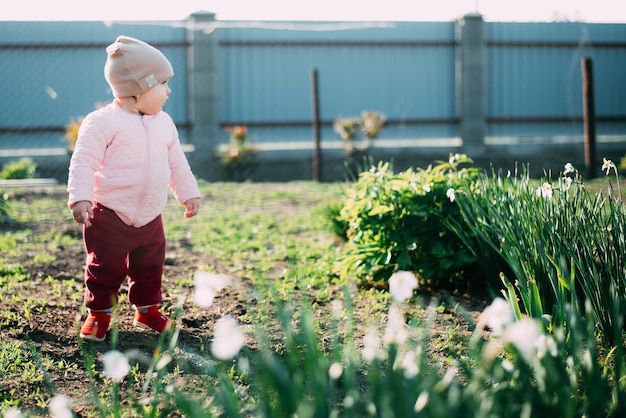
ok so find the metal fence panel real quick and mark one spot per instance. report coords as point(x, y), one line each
point(405, 71)
point(52, 73)
point(535, 82)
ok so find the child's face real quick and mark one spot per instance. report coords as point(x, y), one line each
point(152, 101)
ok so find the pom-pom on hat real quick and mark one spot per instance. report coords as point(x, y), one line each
point(133, 67)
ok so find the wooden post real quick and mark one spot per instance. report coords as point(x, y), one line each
point(316, 127)
point(589, 117)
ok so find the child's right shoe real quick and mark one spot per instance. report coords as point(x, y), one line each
point(95, 326)
point(149, 317)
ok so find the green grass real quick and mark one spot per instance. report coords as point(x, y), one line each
point(20, 373)
point(277, 237)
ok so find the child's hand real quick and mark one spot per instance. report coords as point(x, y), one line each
point(192, 206)
point(83, 212)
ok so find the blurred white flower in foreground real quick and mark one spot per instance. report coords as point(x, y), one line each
point(545, 344)
point(205, 286)
point(421, 401)
point(116, 365)
point(59, 407)
point(410, 363)
point(335, 371)
point(228, 338)
point(13, 413)
point(396, 331)
point(524, 335)
point(496, 316)
point(402, 284)
point(371, 345)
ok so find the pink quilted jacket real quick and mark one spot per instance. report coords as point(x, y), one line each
point(126, 162)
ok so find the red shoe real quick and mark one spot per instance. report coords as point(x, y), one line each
point(152, 319)
point(95, 326)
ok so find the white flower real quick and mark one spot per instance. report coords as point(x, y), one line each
point(228, 338)
point(524, 335)
point(163, 361)
point(491, 350)
point(421, 402)
point(371, 345)
point(402, 284)
point(545, 191)
point(496, 316)
point(203, 297)
point(545, 344)
point(448, 378)
point(450, 193)
point(116, 365)
point(567, 183)
point(608, 165)
point(335, 371)
point(13, 413)
point(205, 286)
point(396, 332)
point(569, 168)
point(59, 407)
point(244, 364)
point(410, 364)
point(426, 187)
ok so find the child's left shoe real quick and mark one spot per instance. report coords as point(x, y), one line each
point(149, 317)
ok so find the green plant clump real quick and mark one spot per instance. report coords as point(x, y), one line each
point(553, 242)
point(396, 222)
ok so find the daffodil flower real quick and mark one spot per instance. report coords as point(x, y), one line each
point(608, 165)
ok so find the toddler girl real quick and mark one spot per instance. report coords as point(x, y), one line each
point(127, 155)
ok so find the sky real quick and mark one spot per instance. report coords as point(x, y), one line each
point(600, 11)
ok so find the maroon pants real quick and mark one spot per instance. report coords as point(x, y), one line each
point(116, 251)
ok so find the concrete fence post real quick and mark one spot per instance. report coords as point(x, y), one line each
point(203, 93)
point(471, 95)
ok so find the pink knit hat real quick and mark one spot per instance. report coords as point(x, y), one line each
point(133, 66)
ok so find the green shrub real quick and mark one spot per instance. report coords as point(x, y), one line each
point(396, 222)
point(336, 223)
point(23, 168)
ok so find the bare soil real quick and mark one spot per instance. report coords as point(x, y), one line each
point(52, 329)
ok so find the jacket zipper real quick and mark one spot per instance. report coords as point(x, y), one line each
point(144, 182)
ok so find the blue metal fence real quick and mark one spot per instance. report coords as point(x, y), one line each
point(403, 70)
point(534, 79)
point(52, 72)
